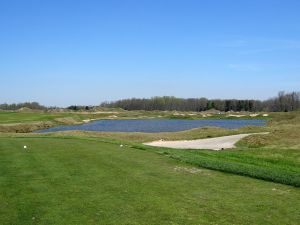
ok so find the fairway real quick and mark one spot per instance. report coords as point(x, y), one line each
point(86, 181)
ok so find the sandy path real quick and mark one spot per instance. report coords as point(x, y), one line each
point(217, 143)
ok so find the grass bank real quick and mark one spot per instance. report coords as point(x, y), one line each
point(25, 122)
point(266, 164)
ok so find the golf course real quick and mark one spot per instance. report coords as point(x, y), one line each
point(149, 112)
point(84, 177)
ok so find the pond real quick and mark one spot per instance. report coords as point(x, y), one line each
point(156, 125)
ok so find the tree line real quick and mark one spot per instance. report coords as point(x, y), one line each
point(282, 102)
point(79, 107)
point(30, 105)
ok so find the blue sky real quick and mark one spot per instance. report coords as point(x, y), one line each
point(63, 52)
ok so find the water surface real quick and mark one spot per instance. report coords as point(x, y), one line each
point(156, 125)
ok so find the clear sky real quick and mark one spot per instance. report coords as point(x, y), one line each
point(63, 52)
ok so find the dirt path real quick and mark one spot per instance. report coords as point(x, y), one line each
point(218, 143)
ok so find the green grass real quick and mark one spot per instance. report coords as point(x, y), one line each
point(73, 180)
point(10, 117)
point(23, 117)
point(281, 166)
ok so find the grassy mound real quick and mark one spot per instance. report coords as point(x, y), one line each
point(281, 166)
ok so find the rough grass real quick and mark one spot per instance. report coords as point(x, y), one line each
point(272, 164)
point(284, 133)
point(69, 180)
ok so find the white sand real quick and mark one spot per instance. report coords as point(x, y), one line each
point(234, 115)
point(217, 143)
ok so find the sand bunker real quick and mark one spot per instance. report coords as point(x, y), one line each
point(218, 143)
